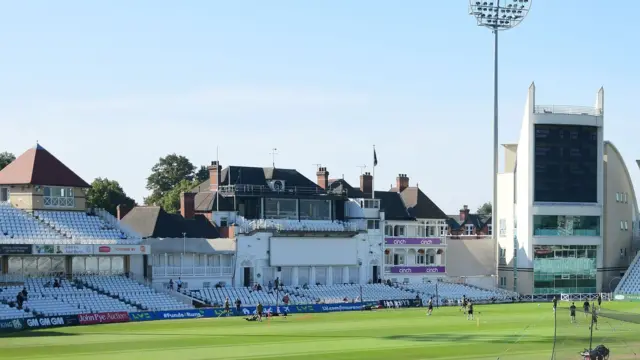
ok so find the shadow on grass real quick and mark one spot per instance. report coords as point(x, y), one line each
point(34, 334)
point(507, 339)
point(462, 338)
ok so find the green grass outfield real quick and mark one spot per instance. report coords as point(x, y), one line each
point(513, 331)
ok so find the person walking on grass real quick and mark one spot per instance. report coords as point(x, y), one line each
point(572, 310)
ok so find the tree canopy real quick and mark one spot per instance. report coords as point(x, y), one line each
point(485, 209)
point(202, 174)
point(171, 200)
point(6, 158)
point(108, 194)
point(166, 175)
point(171, 176)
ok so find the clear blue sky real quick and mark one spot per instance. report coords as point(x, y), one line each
point(111, 86)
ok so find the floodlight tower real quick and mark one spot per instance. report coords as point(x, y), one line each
point(498, 15)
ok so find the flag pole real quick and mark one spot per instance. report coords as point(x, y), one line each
point(218, 177)
point(373, 175)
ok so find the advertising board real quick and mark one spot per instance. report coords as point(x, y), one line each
point(11, 325)
point(121, 249)
point(16, 249)
point(246, 310)
point(51, 321)
point(103, 318)
point(62, 249)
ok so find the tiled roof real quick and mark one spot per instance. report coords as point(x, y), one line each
point(37, 166)
point(153, 221)
point(419, 205)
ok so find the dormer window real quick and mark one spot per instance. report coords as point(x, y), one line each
point(468, 229)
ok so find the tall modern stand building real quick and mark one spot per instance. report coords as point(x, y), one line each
point(566, 204)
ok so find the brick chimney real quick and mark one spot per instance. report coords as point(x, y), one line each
point(464, 213)
point(215, 171)
point(366, 183)
point(122, 211)
point(402, 182)
point(323, 177)
point(187, 205)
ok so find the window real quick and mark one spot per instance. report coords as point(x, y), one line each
point(281, 209)
point(503, 281)
point(371, 204)
point(420, 259)
point(503, 227)
point(621, 225)
point(58, 197)
point(315, 209)
point(468, 229)
point(489, 229)
point(398, 230)
point(503, 255)
point(560, 225)
point(626, 198)
point(388, 230)
point(618, 197)
point(4, 194)
point(373, 224)
point(564, 268)
point(626, 225)
point(444, 230)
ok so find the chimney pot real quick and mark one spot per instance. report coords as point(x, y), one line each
point(402, 182)
point(322, 177)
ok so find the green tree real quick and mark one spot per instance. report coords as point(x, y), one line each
point(485, 209)
point(166, 175)
point(171, 200)
point(6, 158)
point(108, 194)
point(202, 174)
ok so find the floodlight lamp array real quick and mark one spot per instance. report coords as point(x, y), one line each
point(499, 14)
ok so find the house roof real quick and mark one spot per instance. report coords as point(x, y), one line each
point(419, 205)
point(390, 202)
point(393, 206)
point(207, 201)
point(153, 221)
point(477, 220)
point(37, 166)
point(248, 175)
point(341, 186)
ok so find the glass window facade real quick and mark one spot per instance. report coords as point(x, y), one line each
point(315, 209)
point(560, 225)
point(564, 269)
point(281, 209)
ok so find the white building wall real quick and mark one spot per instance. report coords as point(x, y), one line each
point(254, 252)
point(525, 208)
point(524, 179)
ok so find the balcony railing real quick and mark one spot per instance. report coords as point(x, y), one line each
point(257, 190)
point(468, 237)
point(247, 226)
point(567, 110)
point(204, 271)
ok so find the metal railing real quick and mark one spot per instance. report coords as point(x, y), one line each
point(567, 110)
point(248, 190)
point(197, 271)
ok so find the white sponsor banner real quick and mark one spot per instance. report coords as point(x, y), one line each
point(121, 249)
point(63, 249)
